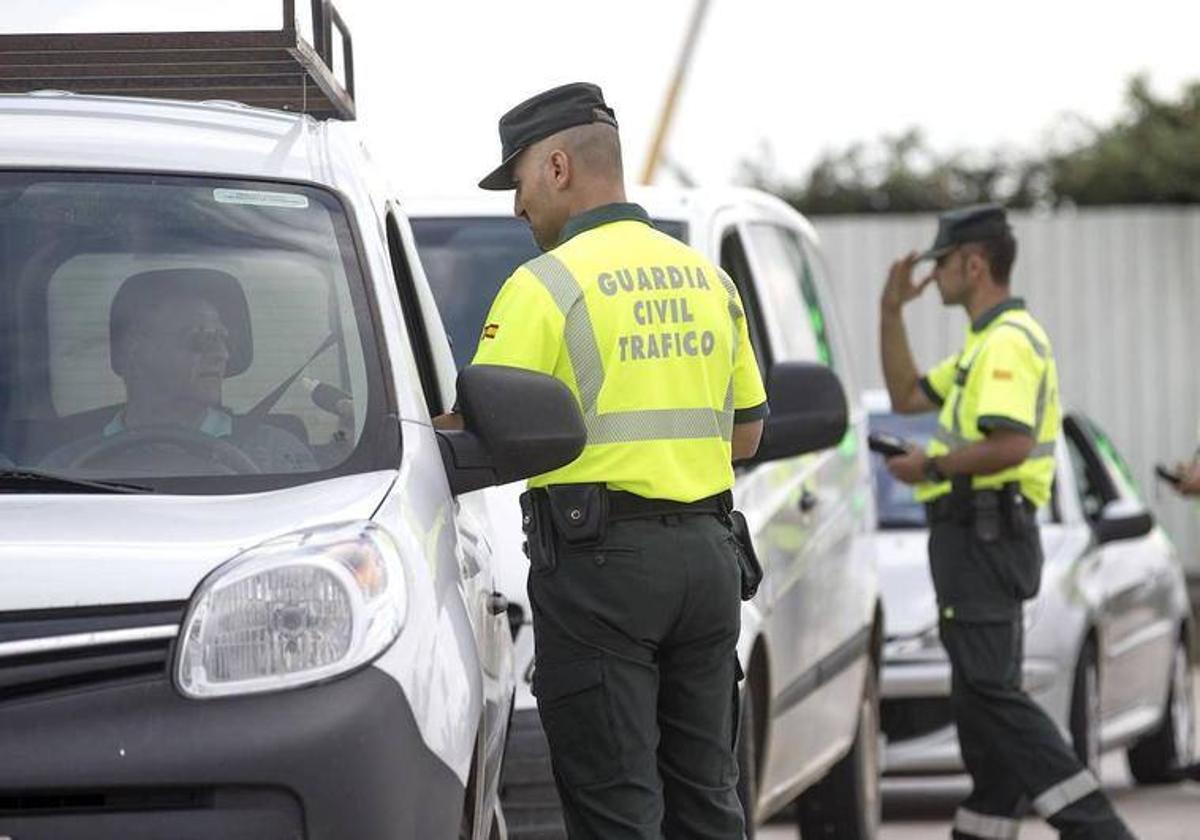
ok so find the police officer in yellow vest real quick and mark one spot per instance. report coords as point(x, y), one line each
point(983, 476)
point(635, 575)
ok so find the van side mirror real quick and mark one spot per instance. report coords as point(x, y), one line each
point(1123, 519)
point(809, 411)
point(518, 423)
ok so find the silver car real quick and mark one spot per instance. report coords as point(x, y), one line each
point(1106, 650)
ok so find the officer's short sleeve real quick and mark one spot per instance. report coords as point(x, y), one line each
point(937, 382)
point(749, 395)
point(1006, 377)
point(524, 327)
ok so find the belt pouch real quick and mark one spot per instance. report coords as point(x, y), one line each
point(580, 512)
point(752, 573)
point(1022, 518)
point(986, 510)
point(539, 533)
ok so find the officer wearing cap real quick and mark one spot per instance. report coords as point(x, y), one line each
point(634, 571)
point(983, 476)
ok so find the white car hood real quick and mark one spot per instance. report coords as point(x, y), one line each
point(82, 549)
point(909, 603)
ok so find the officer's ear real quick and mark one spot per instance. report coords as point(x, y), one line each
point(558, 165)
point(975, 265)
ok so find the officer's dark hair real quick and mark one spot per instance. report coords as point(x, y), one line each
point(1000, 253)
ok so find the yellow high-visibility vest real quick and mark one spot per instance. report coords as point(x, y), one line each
point(1005, 377)
point(652, 340)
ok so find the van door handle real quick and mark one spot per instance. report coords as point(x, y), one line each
point(497, 604)
point(808, 500)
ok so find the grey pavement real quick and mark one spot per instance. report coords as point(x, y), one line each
point(921, 809)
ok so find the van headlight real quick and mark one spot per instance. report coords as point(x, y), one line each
point(294, 610)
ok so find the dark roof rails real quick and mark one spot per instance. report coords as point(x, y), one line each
point(268, 69)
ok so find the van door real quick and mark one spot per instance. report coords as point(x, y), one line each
point(472, 520)
point(775, 498)
point(828, 605)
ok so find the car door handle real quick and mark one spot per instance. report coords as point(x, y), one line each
point(808, 500)
point(497, 604)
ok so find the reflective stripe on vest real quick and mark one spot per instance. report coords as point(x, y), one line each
point(982, 825)
point(953, 438)
point(1067, 792)
point(954, 442)
point(584, 352)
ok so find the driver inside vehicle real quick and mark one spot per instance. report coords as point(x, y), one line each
point(175, 335)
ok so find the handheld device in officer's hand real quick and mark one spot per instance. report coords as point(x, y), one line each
point(888, 446)
point(1169, 476)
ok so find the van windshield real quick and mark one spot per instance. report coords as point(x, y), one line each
point(191, 335)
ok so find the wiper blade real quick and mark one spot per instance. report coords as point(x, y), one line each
point(22, 478)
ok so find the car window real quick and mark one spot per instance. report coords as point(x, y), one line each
point(1091, 494)
point(205, 314)
point(804, 268)
point(468, 258)
point(1100, 477)
point(783, 289)
point(735, 263)
point(1118, 470)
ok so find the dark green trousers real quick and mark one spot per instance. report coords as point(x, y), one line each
point(636, 680)
point(1012, 749)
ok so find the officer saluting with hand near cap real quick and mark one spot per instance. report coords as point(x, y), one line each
point(634, 571)
point(987, 470)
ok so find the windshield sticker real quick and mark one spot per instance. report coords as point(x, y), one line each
point(260, 198)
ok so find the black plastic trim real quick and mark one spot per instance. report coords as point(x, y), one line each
point(349, 751)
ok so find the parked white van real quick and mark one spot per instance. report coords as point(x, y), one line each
point(811, 639)
point(246, 591)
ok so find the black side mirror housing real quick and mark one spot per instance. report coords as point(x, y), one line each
point(809, 411)
point(1122, 520)
point(518, 423)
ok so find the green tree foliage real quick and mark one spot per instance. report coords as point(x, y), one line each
point(1150, 155)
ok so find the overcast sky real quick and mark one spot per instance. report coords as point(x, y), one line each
point(433, 77)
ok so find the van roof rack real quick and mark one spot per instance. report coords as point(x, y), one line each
point(277, 69)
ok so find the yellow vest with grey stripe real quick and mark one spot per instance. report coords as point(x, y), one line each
point(1005, 377)
point(652, 340)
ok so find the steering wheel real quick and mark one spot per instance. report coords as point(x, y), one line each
point(205, 447)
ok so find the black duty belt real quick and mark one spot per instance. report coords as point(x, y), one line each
point(622, 505)
point(960, 506)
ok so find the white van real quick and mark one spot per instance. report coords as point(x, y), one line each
point(811, 639)
point(246, 591)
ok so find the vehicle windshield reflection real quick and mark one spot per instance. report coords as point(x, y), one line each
point(176, 331)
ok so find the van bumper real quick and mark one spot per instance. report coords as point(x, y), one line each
point(137, 760)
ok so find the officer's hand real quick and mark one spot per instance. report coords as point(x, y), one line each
point(900, 288)
point(451, 422)
point(1189, 484)
point(909, 468)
